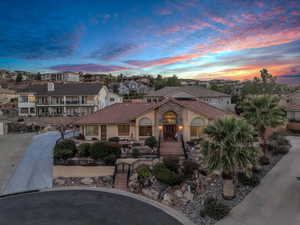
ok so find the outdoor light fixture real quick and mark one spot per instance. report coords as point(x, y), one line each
point(160, 127)
point(180, 127)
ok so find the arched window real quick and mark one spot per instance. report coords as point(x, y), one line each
point(145, 127)
point(197, 126)
point(169, 118)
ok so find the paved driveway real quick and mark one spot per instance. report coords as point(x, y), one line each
point(276, 201)
point(35, 169)
point(12, 149)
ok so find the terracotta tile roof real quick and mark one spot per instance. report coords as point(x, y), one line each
point(195, 91)
point(125, 112)
point(116, 114)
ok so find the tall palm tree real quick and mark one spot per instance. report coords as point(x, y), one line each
point(229, 149)
point(263, 111)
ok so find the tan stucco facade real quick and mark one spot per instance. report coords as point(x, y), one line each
point(183, 127)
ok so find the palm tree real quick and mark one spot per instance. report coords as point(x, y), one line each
point(229, 149)
point(263, 111)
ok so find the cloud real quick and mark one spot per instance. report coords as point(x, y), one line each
point(114, 50)
point(295, 13)
point(250, 17)
point(221, 20)
point(161, 61)
point(90, 67)
point(165, 12)
point(259, 4)
point(172, 29)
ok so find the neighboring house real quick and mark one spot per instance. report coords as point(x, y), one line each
point(60, 99)
point(211, 97)
point(6, 95)
point(291, 104)
point(193, 82)
point(64, 76)
point(136, 121)
point(101, 78)
point(132, 87)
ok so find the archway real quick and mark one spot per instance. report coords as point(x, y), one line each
point(169, 125)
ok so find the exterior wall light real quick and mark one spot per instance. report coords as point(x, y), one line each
point(160, 127)
point(180, 127)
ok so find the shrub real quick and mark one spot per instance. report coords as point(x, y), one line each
point(136, 144)
point(214, 209)
point(189, 166)
point(166, 176)
point(151, 142)
point(80, 137)
point(110, 159)
point(100, 150)
point(144, 172)
point(264, 161)
point(114, 139)
point(245, 180)
point(94, 139)
point(66, 144)
point(63, 153)
point(84, 150)
point(172, 164)
point(279, 144)
point(135, 153)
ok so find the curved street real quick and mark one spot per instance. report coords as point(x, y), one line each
point(276, 201)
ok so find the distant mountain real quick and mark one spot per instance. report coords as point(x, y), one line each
point(289, 79)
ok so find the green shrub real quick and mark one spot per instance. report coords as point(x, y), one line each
point(144, 174)
point(110, 159)
point(84, 150)
point(114, 139)
point(245, 180)
point(151, 142)
point(135, 153)
point(64, 149)
point(189, 166)
point(135, 144)
point(166, 176)
point(63, 153)
point(214, 209)
point(100, 150)
point(172, 164)
point(278, 144)
point(264, 161)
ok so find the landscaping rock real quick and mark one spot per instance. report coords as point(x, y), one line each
point(151, 193)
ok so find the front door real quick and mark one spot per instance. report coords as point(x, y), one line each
point(103, 132)
point(170, 131)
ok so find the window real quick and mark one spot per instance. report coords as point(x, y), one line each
point(112, 99)
point(145, 127)
point(169, 118)
point(32, 110)
point(24, 110)
point(123, 130)
point(23, 98)
point(91, 131)
point(197, 126)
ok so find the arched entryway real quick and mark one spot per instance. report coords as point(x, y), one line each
point(169, 125)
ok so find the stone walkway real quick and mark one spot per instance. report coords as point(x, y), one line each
point(171, 149)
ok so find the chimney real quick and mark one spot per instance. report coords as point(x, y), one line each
point(50, 86)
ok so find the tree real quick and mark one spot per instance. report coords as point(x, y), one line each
point(38, 76)
point(229, 148)
point(263, 111)
point(19, 78)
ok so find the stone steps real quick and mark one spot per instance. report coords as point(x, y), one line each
point(121, 181)
point(171, 149)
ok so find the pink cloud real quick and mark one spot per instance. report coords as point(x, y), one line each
point(162, 61)
point(259, 4)
point(172, 29)
point(295, 13)
point(222, 21)
point(88, 68)
point(165, 12)
point(268, 14)
point(250, 17)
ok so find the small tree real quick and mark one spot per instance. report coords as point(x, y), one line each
point(19, 78)
point(151, 142)
point(228, 148)
point(263, 111)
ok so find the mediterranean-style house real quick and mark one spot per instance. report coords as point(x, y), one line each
point(217, 99)
point(64, 99)
point(168, 119)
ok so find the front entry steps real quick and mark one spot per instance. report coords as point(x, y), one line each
point(171, 149)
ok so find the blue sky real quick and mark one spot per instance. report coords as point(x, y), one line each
point(192, 38)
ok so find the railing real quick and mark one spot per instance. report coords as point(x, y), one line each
point(158, 145)
point(184, 148)
point(126, 168)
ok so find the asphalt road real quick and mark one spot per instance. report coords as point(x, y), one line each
point(82, 207)
point(35, 169)
point(276, 201)
point(12, 149)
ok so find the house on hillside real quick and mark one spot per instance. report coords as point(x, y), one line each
point(202, 94)
point(168, 119)
point(132, 87)
point(64, 99)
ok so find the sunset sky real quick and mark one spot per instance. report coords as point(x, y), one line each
point(201, 39)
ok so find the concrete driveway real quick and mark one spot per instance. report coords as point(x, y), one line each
point(12, 149)
point(276, 201)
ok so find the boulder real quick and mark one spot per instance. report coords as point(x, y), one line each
point(59, 181)
point(151, 193)
point(87, 181)
point(188, 195)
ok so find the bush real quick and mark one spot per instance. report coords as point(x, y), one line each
point(114, 139)
point(189, 166)
point(110, 159)
point(166, 176)
point(135, 144)
point(214, 209)
point(144, 172)
point(151, 142)
point(264, 161)
point(84, 150)
point(66, 144)
point(172, 164)
point(135, 153)
point(64, 149)
point(252, 181)
point(100, 150)
point(279, 144)
point(80, 137)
